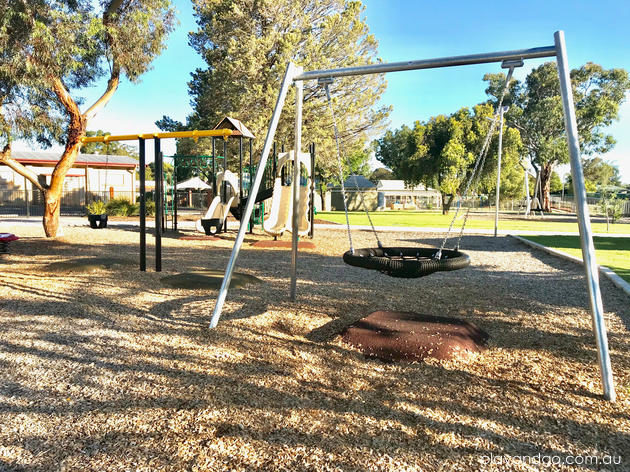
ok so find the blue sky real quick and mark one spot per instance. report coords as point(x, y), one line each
point(408, 29)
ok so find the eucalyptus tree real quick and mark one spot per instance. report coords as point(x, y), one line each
point(247, 44)
point(536, 110)
point(441, 153)
point(52, 49)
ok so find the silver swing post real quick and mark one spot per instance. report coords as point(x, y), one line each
point(299, 93)
point(289, 74)
point(584, 224)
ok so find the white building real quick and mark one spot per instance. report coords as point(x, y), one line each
point(384, 195)
point(91, 176)
point(394, 195)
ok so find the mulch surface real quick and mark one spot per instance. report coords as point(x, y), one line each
point(208, 279)
point(407, 336)
point(111, 370)
point(270, 243)
point(88, 264)
point(199, 238)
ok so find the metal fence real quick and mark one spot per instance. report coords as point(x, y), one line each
point(31, 203)
point(568, 204)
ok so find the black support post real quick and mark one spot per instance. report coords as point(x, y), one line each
point(312, 207)
point(225, 167)
point(251, 182)
point(275, 162)
point(158, 205)
point(240, 170)
point(143, 207)
point(175, 193)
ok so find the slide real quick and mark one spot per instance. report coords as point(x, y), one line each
point(279, 219)
point(227, 183)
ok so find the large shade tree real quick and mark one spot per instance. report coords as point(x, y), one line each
point(52, 49)
point(441, 153)
point(247, 45)
point(536, 110)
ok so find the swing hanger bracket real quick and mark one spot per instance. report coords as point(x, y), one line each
point(512, 63)
point(325, 80)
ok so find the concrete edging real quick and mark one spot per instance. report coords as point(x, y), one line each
point(614, 278)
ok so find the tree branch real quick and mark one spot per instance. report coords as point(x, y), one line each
point(112, 85)
point(5, 158)
point(114, 80)
point(112, 7)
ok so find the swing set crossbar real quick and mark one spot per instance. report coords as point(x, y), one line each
point(519, 54)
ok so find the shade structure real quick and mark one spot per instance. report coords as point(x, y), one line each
point(194, 183)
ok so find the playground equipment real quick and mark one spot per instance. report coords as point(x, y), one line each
point(214, 219)
point(159, 170)
point(295, 75)
point(5, 239)
point(281, 203)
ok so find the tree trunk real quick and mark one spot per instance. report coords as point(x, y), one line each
point(545, 184)
point(53, 192)
point(446, 203)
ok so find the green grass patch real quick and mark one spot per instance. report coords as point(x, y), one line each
point(610, 252)
point(475, 221)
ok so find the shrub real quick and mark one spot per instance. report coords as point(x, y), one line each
point(97, 207)
point(149, 206)
point(611, 206)
point(121, 207)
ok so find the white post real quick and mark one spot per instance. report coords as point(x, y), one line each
point(498, 189)
point(528, 208)
point(584, 224)
point(249, 207)
point(299, 91)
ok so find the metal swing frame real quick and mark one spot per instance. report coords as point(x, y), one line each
point(295, 75)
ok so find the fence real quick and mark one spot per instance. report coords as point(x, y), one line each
point(31, 203)
point(568, 204)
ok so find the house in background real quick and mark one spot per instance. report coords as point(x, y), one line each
point(92, 176)
point(366, 189)
point(384, 195)
point(394, 195)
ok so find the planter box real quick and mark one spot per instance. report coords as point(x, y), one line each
point(211, 226)
point(97, 221)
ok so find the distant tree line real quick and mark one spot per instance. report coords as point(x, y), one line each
point(440, 152)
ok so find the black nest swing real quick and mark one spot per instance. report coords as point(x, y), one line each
point(407, 262)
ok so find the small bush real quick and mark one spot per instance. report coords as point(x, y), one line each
point(149, 206)
point(611, 206)
point(121, 207)
point(97, 207)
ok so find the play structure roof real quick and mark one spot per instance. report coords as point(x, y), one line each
point(43, 158)
point(194, 183)
point(235, 125)
point(361, 182)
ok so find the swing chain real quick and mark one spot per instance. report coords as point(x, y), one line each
point(326, 82)
point(478, 167)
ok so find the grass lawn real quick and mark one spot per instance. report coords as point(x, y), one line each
point(475, 220)
point(610, 252)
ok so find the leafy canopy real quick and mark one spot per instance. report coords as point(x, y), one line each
point(441, 153)
point(51, 49)
point(247, 45)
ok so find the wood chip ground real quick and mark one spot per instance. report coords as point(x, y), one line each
point(112, 371)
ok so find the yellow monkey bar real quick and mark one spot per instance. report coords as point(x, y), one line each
point(195, 134)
